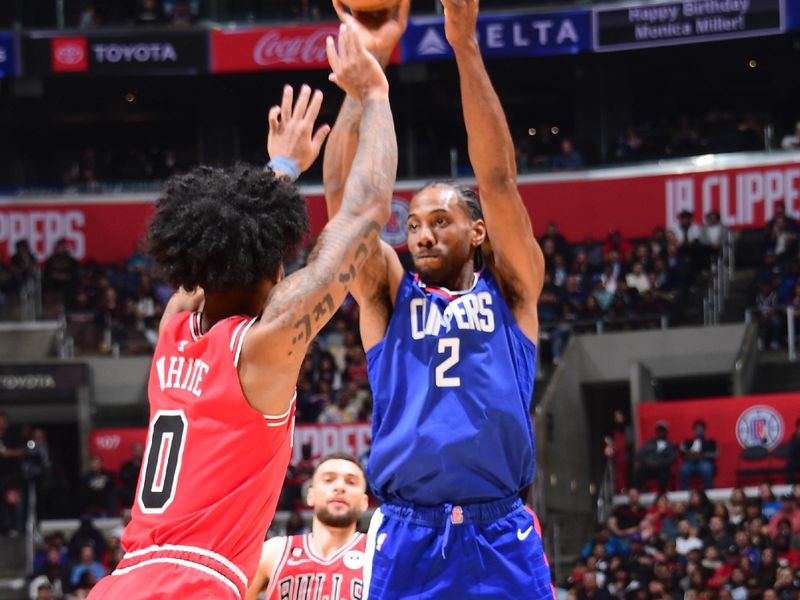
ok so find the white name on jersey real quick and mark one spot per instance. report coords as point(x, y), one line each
point(471, 311)
point(181, 374)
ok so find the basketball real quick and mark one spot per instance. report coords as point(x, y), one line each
point(370, 5)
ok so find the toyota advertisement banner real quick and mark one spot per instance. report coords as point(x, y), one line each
point(8, 55)
point(110, 53)
point(737, 423)
point(295, 48)
point(745, 190)
point(503, 35)
point(639, 25)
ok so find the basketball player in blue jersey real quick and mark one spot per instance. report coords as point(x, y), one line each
point(451, 360)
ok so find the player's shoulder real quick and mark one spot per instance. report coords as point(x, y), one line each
point(271, 552)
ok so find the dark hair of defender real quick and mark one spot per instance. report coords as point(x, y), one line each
point(224, 229)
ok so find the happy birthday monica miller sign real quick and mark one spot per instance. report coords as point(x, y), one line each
point(647, 25)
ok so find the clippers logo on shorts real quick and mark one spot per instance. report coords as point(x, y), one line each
point(760, 426)
point(70, 55)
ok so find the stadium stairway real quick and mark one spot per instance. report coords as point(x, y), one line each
point(739, 296)
point(12, 569)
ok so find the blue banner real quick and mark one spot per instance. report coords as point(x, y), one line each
point(534, 34)
point(8, 56)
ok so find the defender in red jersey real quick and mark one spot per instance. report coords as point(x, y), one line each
point(329, 561)
point(222, 381)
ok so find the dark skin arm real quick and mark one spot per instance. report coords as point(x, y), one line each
point(300, 305)
point(517, 260)
point(376, 285)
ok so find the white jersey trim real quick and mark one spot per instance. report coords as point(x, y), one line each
point(273, 581)
point(194, 328)
point(372, 535)
point(277, 420)
point(475, 278)
point(236, 333)
point(241, 341)
point(340, 552)
point(193, 550)
point(184, 563)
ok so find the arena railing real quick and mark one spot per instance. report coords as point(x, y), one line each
point(722, 271)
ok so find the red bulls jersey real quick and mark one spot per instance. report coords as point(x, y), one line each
point(302, 575)
point(213, 467)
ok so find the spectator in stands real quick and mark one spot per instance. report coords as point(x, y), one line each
point(780, 212)
point(88, 18)
point(86, 534)
point(617, 249)
point(656, 458)
point(791, 141)
point(41, 589)
point(699, 457)
point(11, 509)
point(60, 270)
point(718, 535)
point(129, 475)
point(769, 503)
point(87, 581)
point(630, 146)
point(782, 241)
point(626, 518)
point(560, 244)
point(97, 489)
point(591, 591)
point(714, 232)
point(305, 10)
point(770, 323)
point(150, 13)
point(295, 525)
point(793, 456)
point(24, 266)
point(181, 16)
point(637, 279)
point(622, 437)
point(789, 513)
point(569, 157)
point(86, 562)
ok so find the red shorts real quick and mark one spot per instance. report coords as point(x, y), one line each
point(163, 581)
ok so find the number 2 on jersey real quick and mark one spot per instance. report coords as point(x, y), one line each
point(162, 461)
point(454, 346)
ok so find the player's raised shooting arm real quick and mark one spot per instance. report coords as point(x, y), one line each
point(518, 260)
point(300, 305)
point(182, 301)
point(271, 553)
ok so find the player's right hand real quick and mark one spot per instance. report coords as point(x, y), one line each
point(355, 70)
point(379, 30)
point(291, 128)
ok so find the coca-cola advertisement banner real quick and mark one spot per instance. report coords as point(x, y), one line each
point(736, 423)
point(273, 48)
point(744, 189)
point(110, 53)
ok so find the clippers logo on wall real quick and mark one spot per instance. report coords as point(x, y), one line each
point(128, 53)
point(273, 48)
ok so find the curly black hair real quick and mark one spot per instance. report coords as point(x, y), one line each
point(226, 228)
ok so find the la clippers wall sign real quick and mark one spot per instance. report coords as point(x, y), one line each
point(128, 53)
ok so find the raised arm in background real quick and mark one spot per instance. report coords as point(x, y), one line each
point(376, 285)
point(300, 305)
point(516, 258)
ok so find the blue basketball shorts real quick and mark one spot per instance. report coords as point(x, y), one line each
point(492, 550)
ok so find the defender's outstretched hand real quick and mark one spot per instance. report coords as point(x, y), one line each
point(460, 22)
point(379, 30)
point(355, 70)
point(291, 129)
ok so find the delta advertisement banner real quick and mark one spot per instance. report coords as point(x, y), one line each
point(115, 446)
point(124, 53)
point(8, 55)
point(300, 47)
point(632, 200)
point(503, 35)
point(734, 423)
point(639, 25)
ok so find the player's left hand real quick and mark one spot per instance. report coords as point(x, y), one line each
point(291, 128)
point(380, 31)
point(460, 22)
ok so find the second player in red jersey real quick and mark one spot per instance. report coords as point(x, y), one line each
point(327, 563)
point(221, 385)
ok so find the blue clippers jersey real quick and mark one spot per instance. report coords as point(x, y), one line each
point(452, 382)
